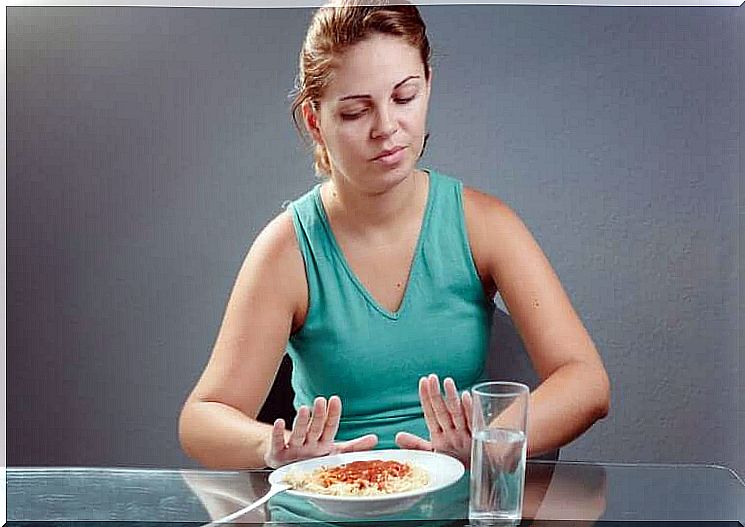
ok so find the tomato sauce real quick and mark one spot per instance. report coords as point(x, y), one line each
point(365, 473)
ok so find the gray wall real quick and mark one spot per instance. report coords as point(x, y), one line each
point(148, 146)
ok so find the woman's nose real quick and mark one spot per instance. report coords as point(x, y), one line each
point(385, 125)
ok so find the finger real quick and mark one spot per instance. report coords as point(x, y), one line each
point(333, 415)
point(318, 422)
point(299, 427)
point(366, 442)
point(468, 410)
point(429, 413)
point(452, 401)
point(441, 411)
point(413, 442)
point(278, 435)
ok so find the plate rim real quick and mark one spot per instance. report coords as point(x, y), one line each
point(456, 464)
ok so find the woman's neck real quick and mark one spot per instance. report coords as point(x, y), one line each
point(376, 216)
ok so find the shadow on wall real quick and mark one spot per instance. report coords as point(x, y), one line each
point(507, 359)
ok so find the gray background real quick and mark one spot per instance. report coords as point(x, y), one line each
point(148, 146)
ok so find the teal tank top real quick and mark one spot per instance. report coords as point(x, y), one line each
point(370, 357)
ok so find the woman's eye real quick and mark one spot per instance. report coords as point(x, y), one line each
point(405, 100)
point(356, 115)
point(351, 116)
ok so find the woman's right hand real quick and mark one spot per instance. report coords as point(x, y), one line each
point(312, 435)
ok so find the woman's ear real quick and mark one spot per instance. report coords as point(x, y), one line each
point(310, 117)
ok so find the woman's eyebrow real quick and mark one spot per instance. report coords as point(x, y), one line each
point(347, 97)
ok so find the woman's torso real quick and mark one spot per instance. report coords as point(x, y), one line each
point(370, 345)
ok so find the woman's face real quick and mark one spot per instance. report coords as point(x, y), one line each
point(375, 105)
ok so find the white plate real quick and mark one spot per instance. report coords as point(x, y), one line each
point(443, 471)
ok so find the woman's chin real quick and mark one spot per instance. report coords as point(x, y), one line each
point(377, 179)
point(388, 179)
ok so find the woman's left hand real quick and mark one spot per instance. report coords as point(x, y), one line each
point(448, 420)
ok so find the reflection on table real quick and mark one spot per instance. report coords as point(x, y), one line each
point(553, 491)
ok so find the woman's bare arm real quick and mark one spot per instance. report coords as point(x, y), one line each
point(218, 426)
point(575, 389)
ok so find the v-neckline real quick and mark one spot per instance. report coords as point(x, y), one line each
point(394, 315)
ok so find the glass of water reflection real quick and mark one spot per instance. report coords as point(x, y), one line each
point(498, 449)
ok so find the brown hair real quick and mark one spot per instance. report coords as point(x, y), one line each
point(339, 25)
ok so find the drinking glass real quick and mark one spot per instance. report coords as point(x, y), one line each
point(498, 449)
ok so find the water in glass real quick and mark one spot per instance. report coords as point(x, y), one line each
point(497, 474)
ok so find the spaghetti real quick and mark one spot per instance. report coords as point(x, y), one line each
point(360, 478)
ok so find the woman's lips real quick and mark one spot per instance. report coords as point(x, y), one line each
point(391, 159)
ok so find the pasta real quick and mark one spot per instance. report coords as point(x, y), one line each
point(360, 478)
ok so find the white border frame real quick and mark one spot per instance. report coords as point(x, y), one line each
point(222, 4)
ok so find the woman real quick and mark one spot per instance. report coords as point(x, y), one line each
point(382, 277)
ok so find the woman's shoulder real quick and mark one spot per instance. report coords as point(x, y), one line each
point(476, 202)
point(495, 231)
point(483, 209)
point(275, 257)
point(276, 244)
point(278, 237)
point(485, 214)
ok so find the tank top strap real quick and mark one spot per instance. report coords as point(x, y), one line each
point(321, 266)
point(448, 251)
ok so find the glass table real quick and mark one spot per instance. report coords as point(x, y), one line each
point(592, 492)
